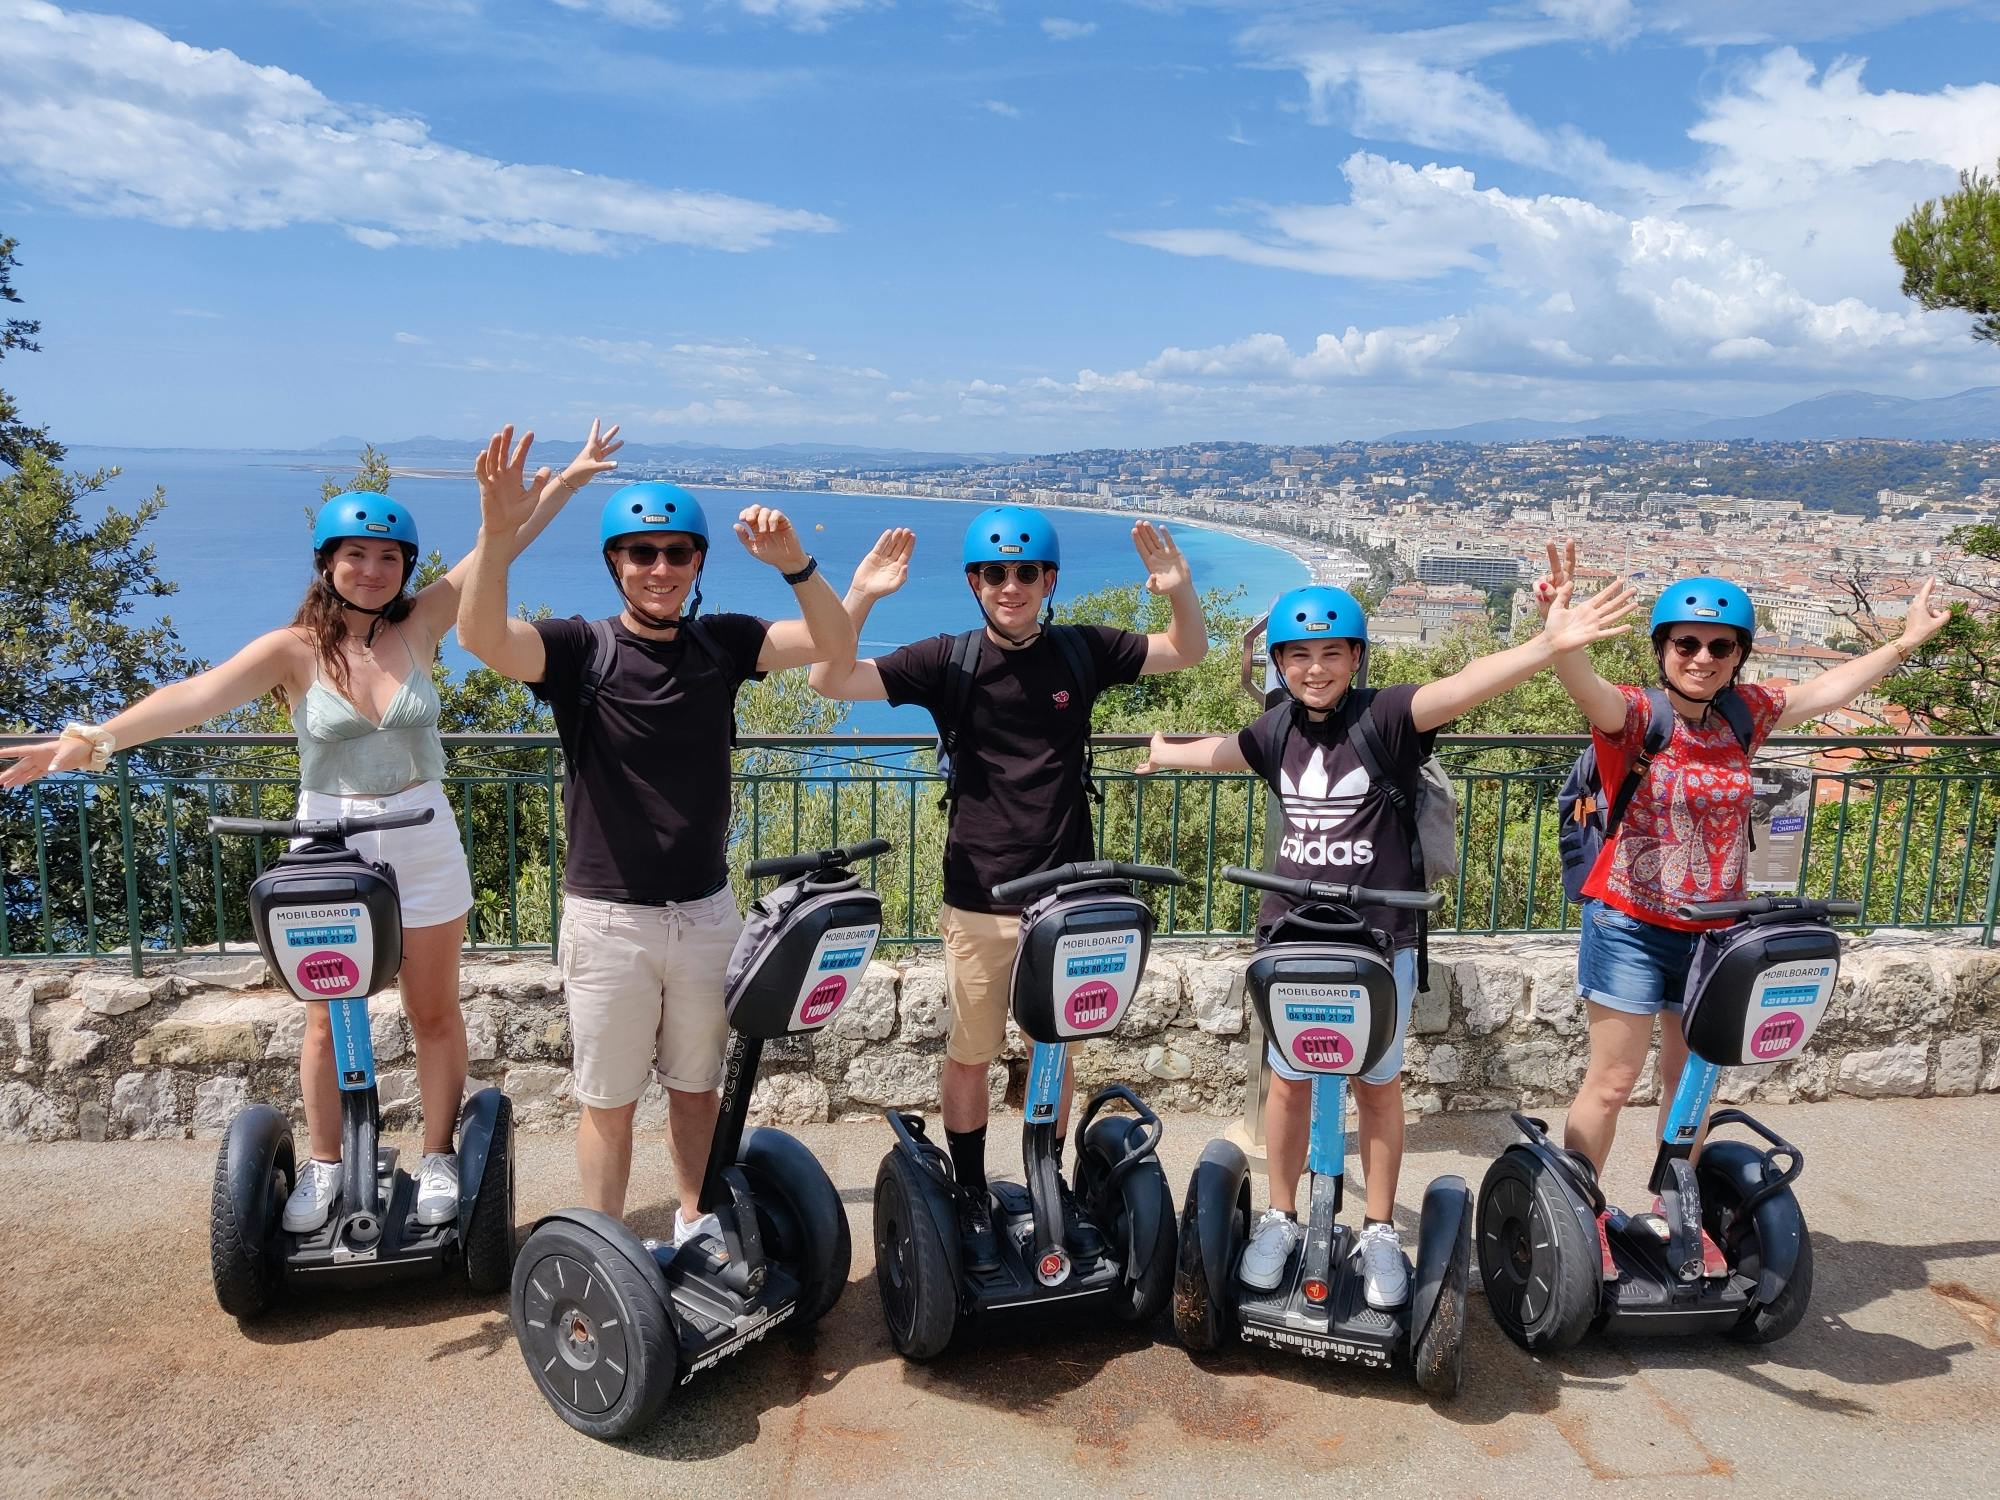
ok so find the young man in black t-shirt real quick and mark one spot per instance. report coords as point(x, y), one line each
point(1340, 825)
point(1019, 803)
point(648, 918)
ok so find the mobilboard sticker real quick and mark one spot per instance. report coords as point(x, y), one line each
point(1786, 1005)
point(324, 952)
point(839, 960)
point(1095, 976)
point(1321, 1028)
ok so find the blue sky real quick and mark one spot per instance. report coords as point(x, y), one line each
point(971, 223)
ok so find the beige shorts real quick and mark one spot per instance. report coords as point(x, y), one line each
point(978, 973)
point(644, 985)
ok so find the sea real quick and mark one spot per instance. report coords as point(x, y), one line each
point(235, 536)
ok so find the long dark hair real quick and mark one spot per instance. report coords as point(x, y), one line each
point(320, 616)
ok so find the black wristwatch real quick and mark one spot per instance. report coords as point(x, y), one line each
point(811, 567)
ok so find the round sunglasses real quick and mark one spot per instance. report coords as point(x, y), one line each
point(995, 574)
point(645, 554)
point(1687, 646)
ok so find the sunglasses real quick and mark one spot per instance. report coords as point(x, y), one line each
point(645, 554)
point(1688, 646)
point(995, 574)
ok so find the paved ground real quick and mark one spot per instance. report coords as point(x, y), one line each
point(119, 1376)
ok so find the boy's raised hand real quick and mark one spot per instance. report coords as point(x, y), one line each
point(1166, 567)
point(887, 566)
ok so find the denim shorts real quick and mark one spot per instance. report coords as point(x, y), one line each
point(1625, 964)
point(1391, 1064)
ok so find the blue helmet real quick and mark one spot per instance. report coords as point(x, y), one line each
point(365, 514)
point(1011, 533)
point(652, 505)
point(1318, 612)
point(1704, 601)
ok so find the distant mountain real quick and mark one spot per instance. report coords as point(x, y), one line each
point(458, 452)
point(1973, 414)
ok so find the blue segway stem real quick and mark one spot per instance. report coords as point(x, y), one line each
point(1327, 1153)
point(353, 1048)
point(1046, 1076)
point(1691, 1100)
point(475, 1139)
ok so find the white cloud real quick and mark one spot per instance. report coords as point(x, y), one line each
point(1001, 108)
point(112, 116)
point(410, 338)
point(1058, 30)
point(648, 13)
point(804, 15)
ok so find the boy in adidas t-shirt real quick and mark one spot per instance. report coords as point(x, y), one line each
point(1018, 796)
point(1340, 825)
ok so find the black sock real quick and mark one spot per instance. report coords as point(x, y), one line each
point(1366, 1222)
point(968, 1157)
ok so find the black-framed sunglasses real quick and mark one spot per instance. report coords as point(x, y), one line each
point(995, 574)
point(645, 554)
point(1687, 646)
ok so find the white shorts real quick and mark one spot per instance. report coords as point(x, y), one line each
point(644, 985)
point(431, 876)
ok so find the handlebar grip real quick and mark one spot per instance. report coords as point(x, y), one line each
point(1325, 890)
point(1260, 880)
point(413, 817)
point(282, 829)
point(781, 865)
point(1023, 886)
point(1017, 891)
point(323, 828)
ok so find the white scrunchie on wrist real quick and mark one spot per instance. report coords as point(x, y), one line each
point(101, 742)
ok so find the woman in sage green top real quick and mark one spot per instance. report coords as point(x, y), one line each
point(353, 670)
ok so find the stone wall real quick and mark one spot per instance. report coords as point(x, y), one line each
point(88, 1051)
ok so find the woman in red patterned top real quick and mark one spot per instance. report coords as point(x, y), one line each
point(1685, 835)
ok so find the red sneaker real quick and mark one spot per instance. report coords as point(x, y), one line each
point(1611, 1272)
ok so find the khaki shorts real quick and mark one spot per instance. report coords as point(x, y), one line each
point(978, 973)
point(644, 985)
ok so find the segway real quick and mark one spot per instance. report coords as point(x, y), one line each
point(330, 927)
point(1728, 1252)
point(1083, 947)
point(609, 1323)
point(1325, 988)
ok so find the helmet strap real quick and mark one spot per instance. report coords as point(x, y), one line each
point(1048, 619)
point(646, 617)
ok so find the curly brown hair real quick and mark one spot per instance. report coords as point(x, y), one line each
point(320, 615)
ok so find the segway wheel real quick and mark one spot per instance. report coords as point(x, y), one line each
point(1721, 1192)
point(1543, 1275)
point(912, 1272)
point(1137, 1300)
point(1201, 1322)
point(1437, 1359)
point(489, 1228)
point(254, 1171)
point(799, 1218)
point(594, 1331)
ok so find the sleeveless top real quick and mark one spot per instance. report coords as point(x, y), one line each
point(343, 753)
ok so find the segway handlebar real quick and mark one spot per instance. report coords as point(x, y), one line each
point(1326, 890)
point(1764, 906)
point(1015, 892)
point(324, 828)
point(783, 865)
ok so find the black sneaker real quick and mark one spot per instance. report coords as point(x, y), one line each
point(1079, 1234)
point(975, 1233)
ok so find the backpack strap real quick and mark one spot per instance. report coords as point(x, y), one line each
point(1729, 703)
point(1076, 655)
point(1659, 731)
point(960, 669)
point(597, 658)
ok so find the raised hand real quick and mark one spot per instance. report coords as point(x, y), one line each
point(505, 501)
point(593, 458)
point(32, 762)
point(1562, 569)
point(770, 538)
point(1925, 619)
point(1166, 568)
point(887, 566)
point(1601, 617)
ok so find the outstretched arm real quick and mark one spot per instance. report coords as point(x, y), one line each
point(1568, 630)
point(1185, 640)
point(249, 674)
point(822, 629)
point(1209, 752)
point(879, 574)
point(1840, 685)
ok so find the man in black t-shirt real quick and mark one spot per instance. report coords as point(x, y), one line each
point(644, 705)
point(1019, 803)
point(1340, 826)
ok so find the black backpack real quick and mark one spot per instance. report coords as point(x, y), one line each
point(962, 668)
point(1587, 824)
point(604, 650)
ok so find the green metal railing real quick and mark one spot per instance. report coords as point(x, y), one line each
point(122, 862)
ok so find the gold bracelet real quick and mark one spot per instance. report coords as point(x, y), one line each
point(1903, 653)
point(101, 742)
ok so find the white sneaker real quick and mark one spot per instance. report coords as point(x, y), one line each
point(312, 1195)
point(1270, 1247)
point(1385, 1278)
point(437, 1188)
point(684, 1231)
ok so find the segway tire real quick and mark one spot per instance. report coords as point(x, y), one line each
point(1767, 1322)
point(1201, 1322)
point(1437, 1359)
point(1542, 1288)
point(800, 1218)
point(594, 1331)
point(254, 1173)
point(489, 1229)
point(912, 1272)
